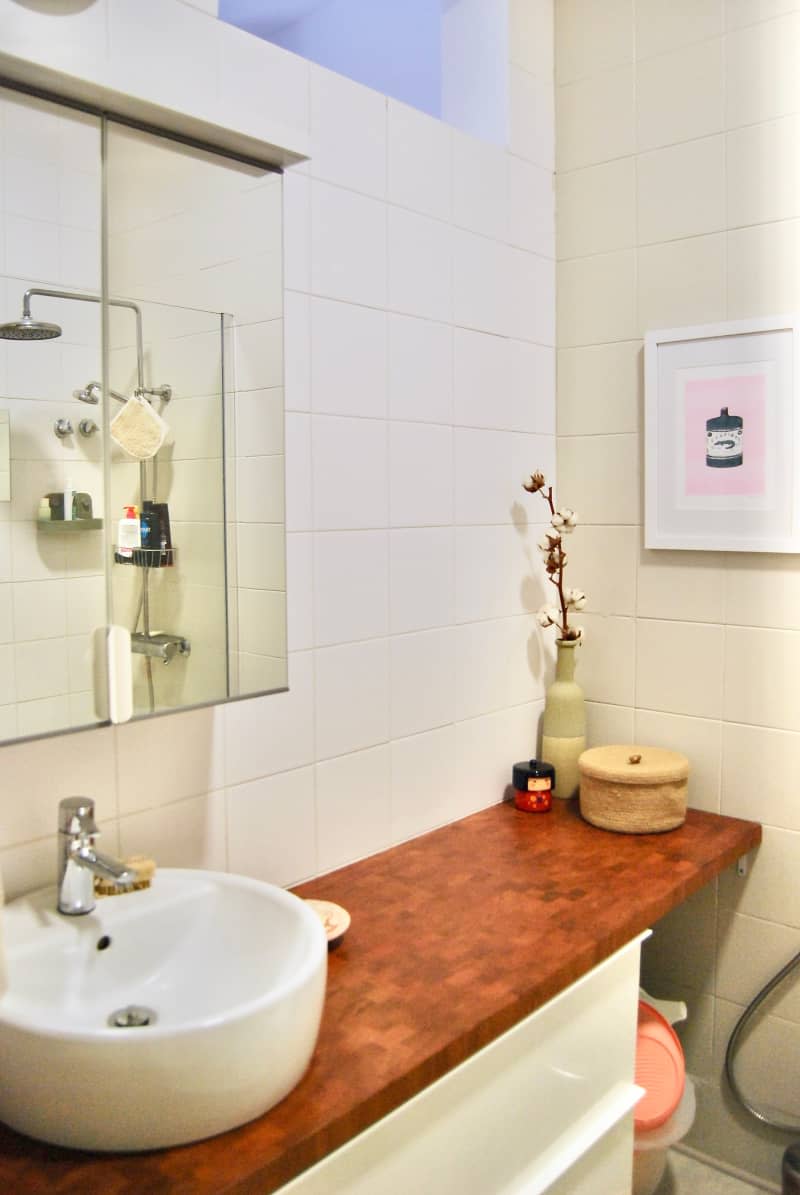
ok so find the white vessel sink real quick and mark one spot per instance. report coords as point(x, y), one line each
point(233, 972)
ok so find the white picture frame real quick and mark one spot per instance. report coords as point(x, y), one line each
point(722, 437)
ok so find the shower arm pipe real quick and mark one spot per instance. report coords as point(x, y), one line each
point(84, 298)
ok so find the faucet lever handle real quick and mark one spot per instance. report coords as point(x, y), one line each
point(76, 816)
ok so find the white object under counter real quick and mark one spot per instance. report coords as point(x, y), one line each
point(547, 1107)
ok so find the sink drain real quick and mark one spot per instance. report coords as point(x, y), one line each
point(133, 1016)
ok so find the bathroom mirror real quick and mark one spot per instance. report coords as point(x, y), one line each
point(141, 382)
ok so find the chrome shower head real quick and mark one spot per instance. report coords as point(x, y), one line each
point(27, 328)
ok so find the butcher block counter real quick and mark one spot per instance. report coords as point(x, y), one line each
point(456, 937)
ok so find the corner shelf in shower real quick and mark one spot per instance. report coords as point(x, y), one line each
point(70, 526)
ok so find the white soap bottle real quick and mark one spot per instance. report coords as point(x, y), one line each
point(129, 533)
point(69, 494)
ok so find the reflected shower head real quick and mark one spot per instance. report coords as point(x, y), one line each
point(27, 328)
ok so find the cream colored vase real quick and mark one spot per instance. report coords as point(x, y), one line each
point(564, 723)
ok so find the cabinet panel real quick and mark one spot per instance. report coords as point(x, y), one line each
point(512, 1119)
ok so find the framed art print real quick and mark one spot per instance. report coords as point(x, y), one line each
point(722, 437)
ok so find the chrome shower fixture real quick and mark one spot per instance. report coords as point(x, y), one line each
point(26, 327)
point(92, 392)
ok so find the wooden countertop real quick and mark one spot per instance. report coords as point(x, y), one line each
point(455, 937)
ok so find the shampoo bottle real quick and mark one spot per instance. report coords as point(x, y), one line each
point(129, 535)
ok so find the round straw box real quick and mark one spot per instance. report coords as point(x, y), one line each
point(633, 790)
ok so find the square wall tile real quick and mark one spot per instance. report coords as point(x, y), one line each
point(682, 282)
point(483, 748)
point(353, 807)
point(764, 269)
point(257, 77)
point(420, 475)
point(664, 27)
point(531, 291)
point(679, 667)
point(297, 351)
point(497, 664)
point(606, 663)
point(424, 787)
point(699, 740)
point(420, 696)
point(769, 890)
point(264, 735)
point(531, 36)
point(352, 697)
point(599, 477)
point(480, 186)
point(608, 724)
point(299, 584)
point(751, 951)
point(419, 269)
point(763, 172)
point(595, 119)
point(756, 764)
point(739, 13)
point(491, 568)
point(600, 389)
point(480, 283)
point(342, 333)
point(685, 585)
point(299, 515)
point(762, 590)
point(421, 578)
point(596, 209)
point(682, 951)
point(419, 161)
point(590, 39)
point(350, 470)
point(602, 562)
point(192, 742)
point(681, 190)
point(597, 299)
point(531, 109)
point(348, 246)
point(489, 469)
point(348, 133)
point(531, 207)
point(188, 833)
point(762, 677)
point(762, 79)
point(271, 828)
point(351, 586)
point(296, 230)
point(420, 372)
point(681, 95)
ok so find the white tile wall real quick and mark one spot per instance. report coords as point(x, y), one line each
point(708, 231)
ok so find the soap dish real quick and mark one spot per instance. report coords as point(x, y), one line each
point(335, 920)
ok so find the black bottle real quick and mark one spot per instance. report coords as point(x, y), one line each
point(724, 440)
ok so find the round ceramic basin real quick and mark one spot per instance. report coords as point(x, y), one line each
point(166, 1015)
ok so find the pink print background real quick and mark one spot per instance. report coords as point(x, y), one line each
point(744, 395)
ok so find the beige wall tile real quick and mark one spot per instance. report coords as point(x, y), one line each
point(751, 951)
point(758, 768)
point(600, 389)
point(595, 119)
point(598, 476)
point(762, 677)
point(608, 724)
point(770, 889)
point(763, 172)
point(684, 585)
point(596, 299)
point(763, 590)
point(764, 269)
point(682, 282)
point(596, 209)
point(663, 27)
point(679, 667)
point(531, 36)
point(739, 13)
point(767, 1063)
point(680, 95)
point(699, 739)
point(681, 952)
point(681, 190)
point(762, 80)
point(592, 37)
point(605, 668)
point(602, 562)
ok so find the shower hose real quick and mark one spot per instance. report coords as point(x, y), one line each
point(730, 1053)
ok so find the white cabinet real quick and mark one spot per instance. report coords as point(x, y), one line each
point(547, 1107)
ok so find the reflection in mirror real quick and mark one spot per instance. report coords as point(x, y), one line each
point(167, 398)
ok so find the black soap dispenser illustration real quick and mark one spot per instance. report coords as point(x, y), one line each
point(724, 435)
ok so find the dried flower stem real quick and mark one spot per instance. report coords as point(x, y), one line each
point(557, 578)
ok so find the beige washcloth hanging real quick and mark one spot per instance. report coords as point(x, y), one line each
point(138, 429)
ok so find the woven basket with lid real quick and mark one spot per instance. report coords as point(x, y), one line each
point(633, 790)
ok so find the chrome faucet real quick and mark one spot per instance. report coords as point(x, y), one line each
point(79, 862)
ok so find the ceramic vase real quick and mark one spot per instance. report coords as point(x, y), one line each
point(564, 723)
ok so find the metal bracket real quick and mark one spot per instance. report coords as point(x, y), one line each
point(742, 865)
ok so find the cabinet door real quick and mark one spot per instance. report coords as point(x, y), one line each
point(517, 1116)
